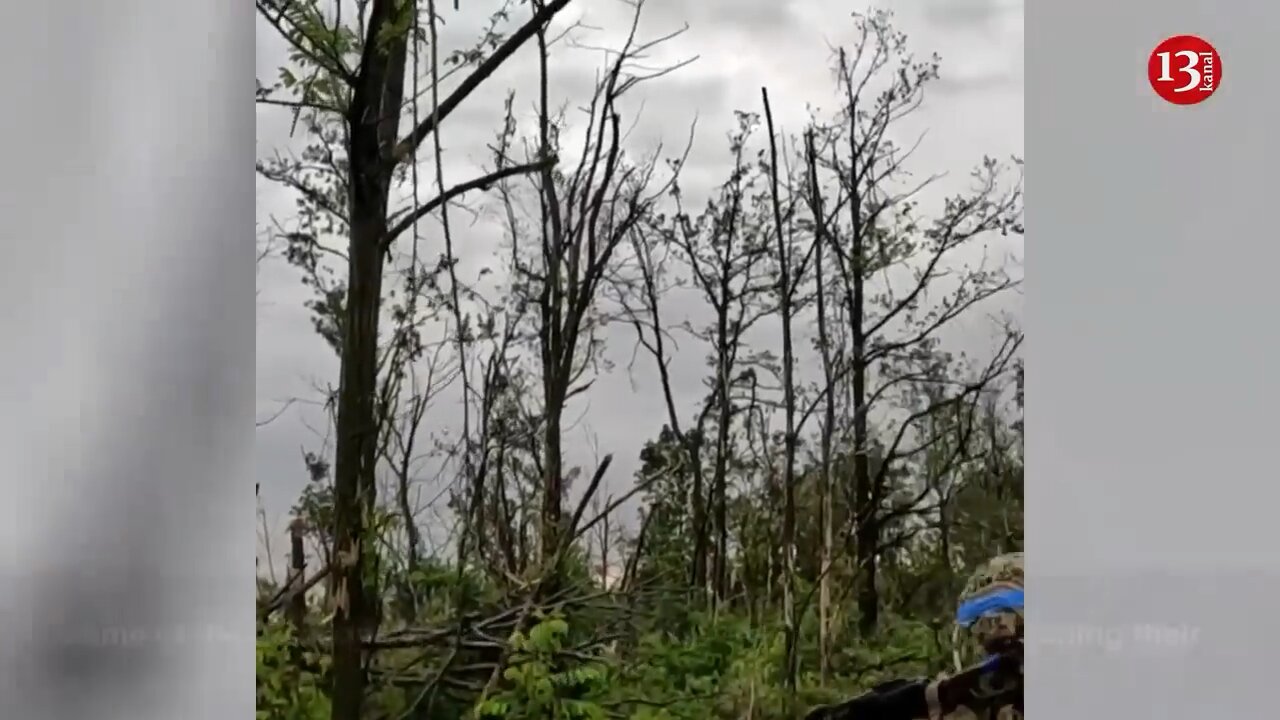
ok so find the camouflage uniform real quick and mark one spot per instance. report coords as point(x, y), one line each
point(989, 610)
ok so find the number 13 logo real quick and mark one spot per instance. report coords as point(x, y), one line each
point(1184, 70)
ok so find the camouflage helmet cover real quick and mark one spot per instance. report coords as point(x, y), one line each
point(990, 606)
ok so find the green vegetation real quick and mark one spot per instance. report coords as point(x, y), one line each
point(655, 649)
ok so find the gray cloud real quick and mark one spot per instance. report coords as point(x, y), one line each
point(969, 14)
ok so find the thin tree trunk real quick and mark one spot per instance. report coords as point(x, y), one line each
point(786, 310)
point(297, 576)
point(698, 570)
point(719, 490)
point(828, 423)
point(866, 517)
point(552, 490)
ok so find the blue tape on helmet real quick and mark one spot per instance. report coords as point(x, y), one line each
point(1002, 600)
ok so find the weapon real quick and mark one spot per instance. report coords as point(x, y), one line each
point(995, 681)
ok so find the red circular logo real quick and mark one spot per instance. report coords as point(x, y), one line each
point(1184, 70)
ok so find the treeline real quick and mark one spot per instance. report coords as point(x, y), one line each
point(804, 524)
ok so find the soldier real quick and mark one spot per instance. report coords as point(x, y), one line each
point(989, 623)
point(987, 648)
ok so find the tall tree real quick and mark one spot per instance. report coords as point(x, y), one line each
point(899, 278)
point(348, 75)
point(584, 215)
point(790, 274)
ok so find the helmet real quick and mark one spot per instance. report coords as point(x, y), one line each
point(989, 609)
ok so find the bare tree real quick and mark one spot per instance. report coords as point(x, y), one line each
point(720, 253)
point(790, 271)
point(584, 215)
point(827, 431)
point(876, 239)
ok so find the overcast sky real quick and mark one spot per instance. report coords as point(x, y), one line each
point(976, 109)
